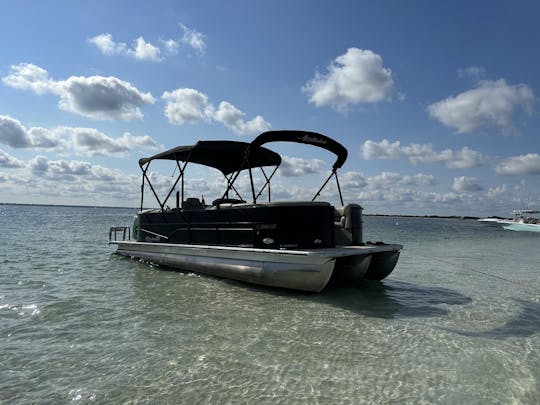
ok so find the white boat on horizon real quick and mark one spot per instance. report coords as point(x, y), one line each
point(524, 220)
point(492, 220)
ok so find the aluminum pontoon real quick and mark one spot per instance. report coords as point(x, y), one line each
point(297, 244)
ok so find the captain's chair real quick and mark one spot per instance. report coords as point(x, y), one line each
point(192, 204)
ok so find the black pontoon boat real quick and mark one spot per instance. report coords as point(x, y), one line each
point(298, 244)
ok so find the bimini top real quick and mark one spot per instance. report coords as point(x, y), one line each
point(311, 138)
point(226, 156)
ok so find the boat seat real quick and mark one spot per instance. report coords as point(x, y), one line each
point(348, 224)
point(294, 204)
point(192, 204)
point(220, 201)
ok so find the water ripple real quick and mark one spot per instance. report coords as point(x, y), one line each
point(79, 325)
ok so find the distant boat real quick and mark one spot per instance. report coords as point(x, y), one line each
point(492, 220)
point(524, 220)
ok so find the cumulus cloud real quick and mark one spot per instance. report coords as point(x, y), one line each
point(356, 77)
point(15, 135)
point(90, 141)
point(233, 118)
point(495, 192)
point(193, 39)
point(187, 106)
point(147, 51)
point(94, 96)
point(192, 106)
point(465, 184)
point(59, 169)
point(26, 76)
point(392, 179)
point(520, 165)
point(103, 98)
point(140, 50)
point(465, 158)
point(353, 180)
point(490, 104)
point(44, 180)
point(107, 45)
point(87, 141)
point(293, 166)
point(9, 161)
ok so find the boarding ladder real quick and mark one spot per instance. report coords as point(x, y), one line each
point(115, 231)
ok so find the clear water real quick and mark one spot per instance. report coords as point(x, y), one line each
point(78, 324)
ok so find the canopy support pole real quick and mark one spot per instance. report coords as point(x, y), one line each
point(324, 184)
point(338, 187)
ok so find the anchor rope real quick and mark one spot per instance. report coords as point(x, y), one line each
point(465, 267)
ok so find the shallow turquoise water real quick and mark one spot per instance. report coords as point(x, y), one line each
point(457, 322)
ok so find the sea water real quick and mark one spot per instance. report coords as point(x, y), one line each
point(457, 322)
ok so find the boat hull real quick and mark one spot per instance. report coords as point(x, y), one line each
point(522, 227)
point(307, 270)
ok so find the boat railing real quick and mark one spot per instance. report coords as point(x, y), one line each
point(114, 232)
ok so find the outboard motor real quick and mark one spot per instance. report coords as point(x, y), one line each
point(353, 222)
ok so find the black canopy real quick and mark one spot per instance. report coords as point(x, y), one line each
point(311, 138)
point(226, 156)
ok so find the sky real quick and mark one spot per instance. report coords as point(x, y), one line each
point(436, 102)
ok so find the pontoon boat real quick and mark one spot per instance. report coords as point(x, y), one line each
point(294, 244)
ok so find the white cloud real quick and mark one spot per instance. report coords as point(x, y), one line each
point(490, 104)
point(187, 106)
point(94, 96)
point(192, 106)
point(382, 150)
point(77, 171)
point(141, 50)
point(465, 184)
point(356, 77)
point(9, 161)
point(45, 139)
point(520, 165)
point(193, 39)
point(497, 191)
point(292, 166)
point(171, 46)
point(26, 76)
point(147, 51)
point(13, 133)
point(233, 118)
point(465, 158)
point(107, 45)
point(43, 181)
point(352, 180)
point(103, 98)
point(90, 141)
point(392, 179)
point(87, 141)
point(59, 169)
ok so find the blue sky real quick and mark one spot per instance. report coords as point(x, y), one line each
point(436, 102)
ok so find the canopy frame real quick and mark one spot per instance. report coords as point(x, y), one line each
point(306, 137)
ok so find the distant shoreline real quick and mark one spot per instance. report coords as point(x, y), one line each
point(367, 215)
point(67, 205)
